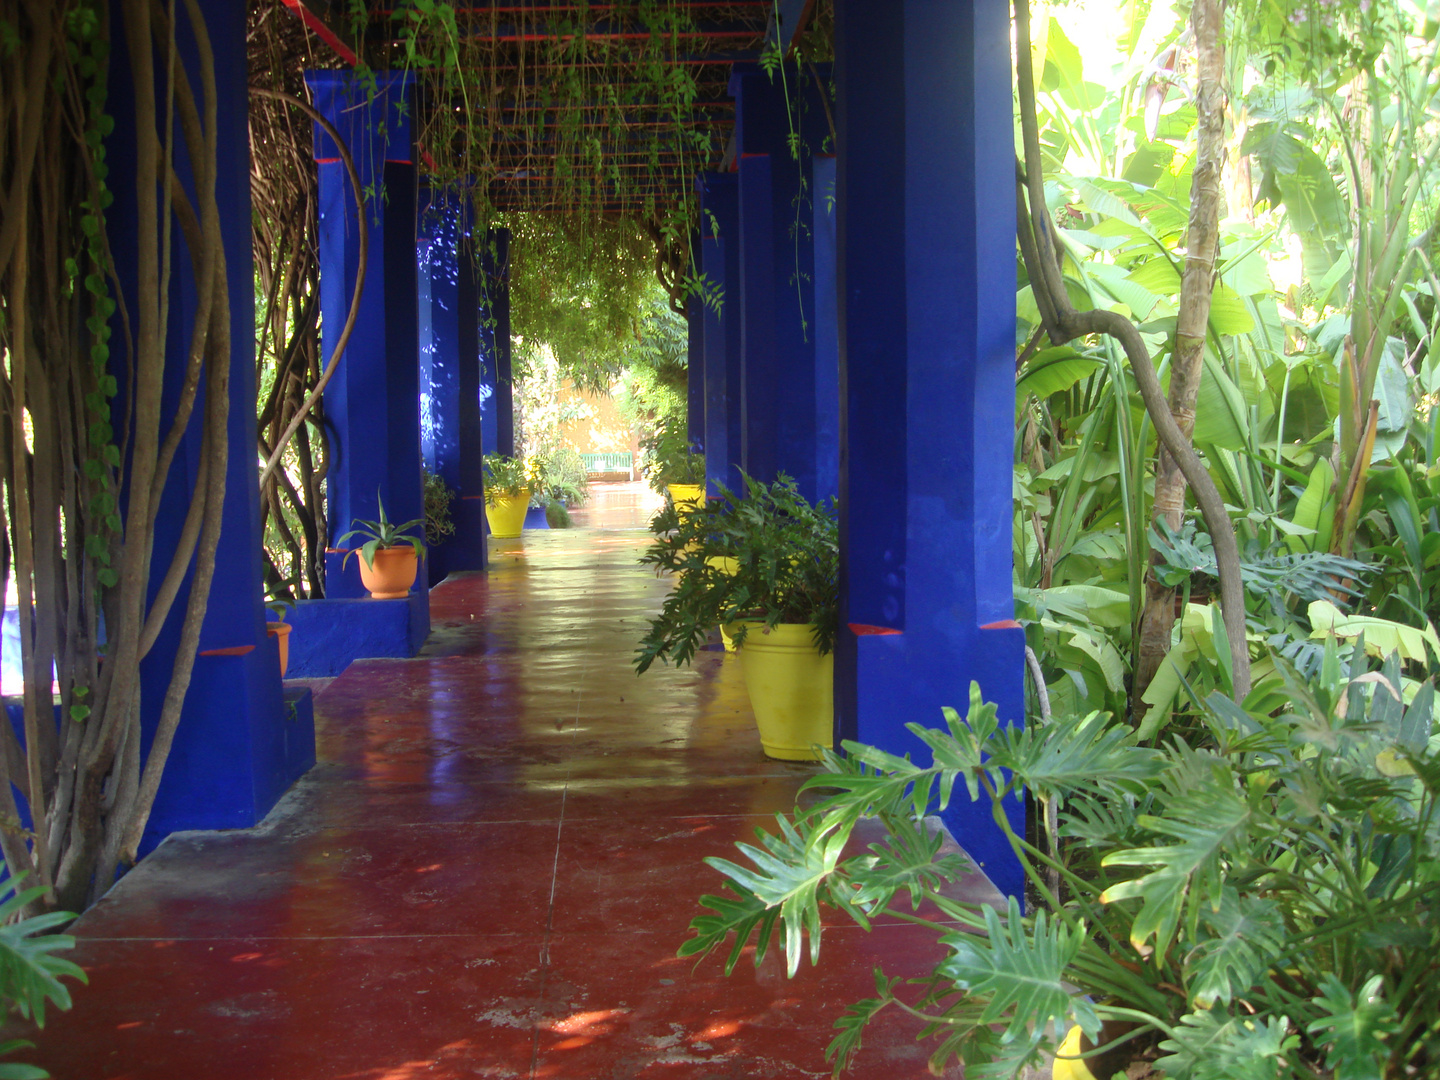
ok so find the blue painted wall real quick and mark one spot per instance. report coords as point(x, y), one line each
point(450, 371)
point(826, 330)
point(497, 416)
point(695, 371)
point(233, 753)
point(926, 346)
point(720, 264)
point(373, 402)
point(778, 276)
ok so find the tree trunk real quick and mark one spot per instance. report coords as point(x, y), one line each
point(1187, 364)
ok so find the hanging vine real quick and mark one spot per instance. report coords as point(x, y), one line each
point(83, 422)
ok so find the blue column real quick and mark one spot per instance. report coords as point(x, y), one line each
point(236, 750)
point(450, 375)
point(695, 373)
point(827, 330)
point(777, 253)
point(719, 263)
point(374, 398)
point(927, 324)
point(373, 402)
point(497, 415)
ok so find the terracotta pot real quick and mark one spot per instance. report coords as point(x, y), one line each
point(392, 575)
point(280, 631)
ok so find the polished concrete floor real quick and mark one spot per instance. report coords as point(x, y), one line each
point(487, 875)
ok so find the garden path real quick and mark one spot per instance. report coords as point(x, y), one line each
point(487, 875)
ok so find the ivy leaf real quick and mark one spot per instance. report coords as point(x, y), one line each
point(1021, 972)
point(1353, 1028)
point(1248, 934)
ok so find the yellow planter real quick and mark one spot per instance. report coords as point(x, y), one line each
point(686, 497)
point(1068, 1066)
point(726, 565)
point(506, 515)
point(791, 690)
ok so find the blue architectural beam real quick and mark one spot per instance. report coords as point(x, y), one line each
point(925, 195)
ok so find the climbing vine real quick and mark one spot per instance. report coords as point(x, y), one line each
point(87, 447)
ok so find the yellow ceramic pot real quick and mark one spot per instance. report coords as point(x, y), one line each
point(726, 565)
point(791, 690)
point(506, 515)
point(1068, 1065)
point(392, 574)
point(686, 497)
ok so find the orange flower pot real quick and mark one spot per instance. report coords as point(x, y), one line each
point(280, 631)
point(392, 575)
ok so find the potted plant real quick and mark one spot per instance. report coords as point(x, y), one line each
point(674, 468)
point(507, 495)
point(389, 558)
point(562, 486)
point(278, 600)
point(764, 566)
point(1253, 896)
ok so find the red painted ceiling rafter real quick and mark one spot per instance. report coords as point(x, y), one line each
point(320, 29)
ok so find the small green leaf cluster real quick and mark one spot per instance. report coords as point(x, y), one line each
point(438, 497)
point(669, 457)
point(88, 50)
point(383, 534)
point(769, 556)
point(505, 477)
point(30, 972)
point(1255, 901)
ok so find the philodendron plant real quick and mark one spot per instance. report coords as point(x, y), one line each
point(1256, 901)
point(768, 556)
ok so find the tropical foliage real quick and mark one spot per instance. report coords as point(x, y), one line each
point(1255, 900)
point(1322, 299)
point(766, 555)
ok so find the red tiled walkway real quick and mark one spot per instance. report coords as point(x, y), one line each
point(487, 875)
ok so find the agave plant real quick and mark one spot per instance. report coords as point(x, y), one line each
point(1255, 902)
point(383, 534)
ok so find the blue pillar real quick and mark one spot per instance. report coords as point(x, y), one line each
point(827, 331)
point(777, 251)
point(927, 324)
point(374, 398)
point(236, 750)
point(450, 375)
point(695, 373)
point(720, 264)
point(497, 403)
point(373, 402)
